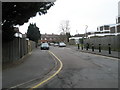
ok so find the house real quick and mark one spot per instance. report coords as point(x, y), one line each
point(51, 38)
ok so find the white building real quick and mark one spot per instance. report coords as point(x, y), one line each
point(75, 40)
point(106, 30)
point(111, 29)
point(103, 29)
point(118, 17)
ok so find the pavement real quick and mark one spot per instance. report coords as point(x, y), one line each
point(114, 54)
point(32, 67)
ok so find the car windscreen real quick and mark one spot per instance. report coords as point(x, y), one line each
point(62, 43)
point(44, 45)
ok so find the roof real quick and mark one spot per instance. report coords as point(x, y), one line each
point(75, 38)
point(105, 34)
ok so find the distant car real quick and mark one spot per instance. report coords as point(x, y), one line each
point(51, 44)
point(62, 44)
point(56, 44)
point(44, 46)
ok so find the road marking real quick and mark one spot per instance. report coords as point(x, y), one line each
point(61, 65)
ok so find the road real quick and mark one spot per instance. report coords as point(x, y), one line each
point(84, 70)
point(80, 70)
point(33, 67)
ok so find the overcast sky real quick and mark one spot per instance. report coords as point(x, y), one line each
point(80, 13)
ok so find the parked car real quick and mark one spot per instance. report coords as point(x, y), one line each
point(56, 44)
point(51, 44)
point(62, 44)
point(44, 46)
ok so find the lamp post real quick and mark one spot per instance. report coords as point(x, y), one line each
point(86, 30)
point(85, 35)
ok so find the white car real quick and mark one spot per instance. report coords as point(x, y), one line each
point(62, 44)
point(51, 44)
point(56, 44)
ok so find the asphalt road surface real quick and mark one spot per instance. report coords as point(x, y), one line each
point(35, 66)
point(80, 70)
point(84, 70)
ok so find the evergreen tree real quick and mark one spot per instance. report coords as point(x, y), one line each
point(17, 13)
point(68, 36)
point(33, 33)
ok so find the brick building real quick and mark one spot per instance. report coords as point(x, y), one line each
point(53, 38)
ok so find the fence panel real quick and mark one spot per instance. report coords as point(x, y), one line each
point(14, 50)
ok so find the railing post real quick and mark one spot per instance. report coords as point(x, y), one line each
point(82, 46)
point(109, 48)
point(99, 47)
point(78, 46)
point(93, 47)
point(87, 46)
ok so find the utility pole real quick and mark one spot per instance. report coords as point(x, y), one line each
point(86, 30)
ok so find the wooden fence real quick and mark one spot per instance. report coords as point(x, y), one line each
point(16, 49)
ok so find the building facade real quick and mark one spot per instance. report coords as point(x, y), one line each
point(118, 17)
point(119, 8)
point(52, 38)
point(107, 36)
point(110, 29)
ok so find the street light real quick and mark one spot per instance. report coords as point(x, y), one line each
point(86, 30)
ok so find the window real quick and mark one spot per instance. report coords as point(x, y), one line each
point(112, 30)
point(101, 28)
point(106, 27)
point(118, 29)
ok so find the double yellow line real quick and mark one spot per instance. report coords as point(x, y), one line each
point(61, 65)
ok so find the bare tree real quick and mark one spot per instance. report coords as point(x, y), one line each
point(65, 27)
point(65, 30)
